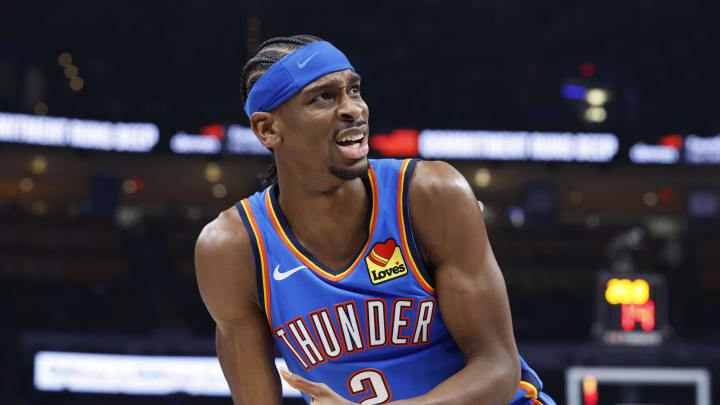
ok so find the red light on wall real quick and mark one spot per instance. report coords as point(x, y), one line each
point(667, 194)
point(214, 130)
point(672, 140)
point(634, 313)
point(587, 69)
point(400, 142)
point(139, 182)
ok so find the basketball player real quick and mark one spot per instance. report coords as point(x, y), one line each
point(374, 277)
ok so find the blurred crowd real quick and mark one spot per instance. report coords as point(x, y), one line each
point(85, 274)
point(121, 279)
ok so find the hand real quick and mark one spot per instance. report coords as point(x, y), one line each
point(319, 393)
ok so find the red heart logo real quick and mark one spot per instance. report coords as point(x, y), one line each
point(385, 250)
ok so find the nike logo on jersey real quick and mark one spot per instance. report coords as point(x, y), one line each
point(302, 65)
point(277, 275)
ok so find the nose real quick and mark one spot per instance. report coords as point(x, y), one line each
point(349, 109)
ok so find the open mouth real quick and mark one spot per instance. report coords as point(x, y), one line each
point(353, 141)
point(353, 145)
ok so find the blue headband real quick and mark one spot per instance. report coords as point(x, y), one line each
point(293, 72)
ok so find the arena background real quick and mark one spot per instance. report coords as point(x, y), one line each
point(589, 130)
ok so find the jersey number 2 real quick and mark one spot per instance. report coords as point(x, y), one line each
point(372, 381)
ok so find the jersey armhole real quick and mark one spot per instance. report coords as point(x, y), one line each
point(259, 256)
point(420, 271)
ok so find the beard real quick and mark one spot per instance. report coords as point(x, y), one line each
point(348, 173)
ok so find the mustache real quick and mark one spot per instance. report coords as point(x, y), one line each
point(355, 124)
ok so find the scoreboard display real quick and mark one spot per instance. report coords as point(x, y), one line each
point(631, 309)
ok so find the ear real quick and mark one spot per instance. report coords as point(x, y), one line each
point(264, 126)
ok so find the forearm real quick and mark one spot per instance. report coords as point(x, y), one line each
point(480, 382)
point(250, 372)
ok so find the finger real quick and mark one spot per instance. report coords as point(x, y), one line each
point(299, 383)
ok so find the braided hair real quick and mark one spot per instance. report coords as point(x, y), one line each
point(268, 54)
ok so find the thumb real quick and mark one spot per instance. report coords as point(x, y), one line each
point(301, 384)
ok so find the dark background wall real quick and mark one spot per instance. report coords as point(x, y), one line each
point(86, 266)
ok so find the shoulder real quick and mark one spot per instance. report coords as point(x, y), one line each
point(439, 182)
point(442, 206)
point(223, 235)
point(224, 265)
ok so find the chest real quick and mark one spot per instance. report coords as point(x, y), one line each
point(376, 306)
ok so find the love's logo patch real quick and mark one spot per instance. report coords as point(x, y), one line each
point(385, 262)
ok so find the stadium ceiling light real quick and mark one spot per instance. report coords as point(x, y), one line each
point(516, 215)
point(592, 221)
point(596, 97)
point(39, 207)
point(38, 164)
point(26, 184)
point(596, 114)
point(482, 177)
point(64, 59)
point(650, 199)
point(41, 108)
point(219, 190)
point(77, 83)
point(129, 186)
point(71, 71)
point(576, 197)
point(213, 172)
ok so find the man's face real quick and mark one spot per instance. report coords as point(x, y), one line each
point(325, 127)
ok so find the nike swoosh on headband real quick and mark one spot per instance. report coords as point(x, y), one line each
point(302, 65)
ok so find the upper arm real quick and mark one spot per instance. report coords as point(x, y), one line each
point(226, 279)
point(449, 229)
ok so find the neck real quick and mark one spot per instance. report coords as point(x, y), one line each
point(327, 217)
point(306, 201)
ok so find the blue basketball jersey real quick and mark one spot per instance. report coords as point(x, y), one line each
point(373, 331)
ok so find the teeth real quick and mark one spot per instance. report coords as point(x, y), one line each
point(352, 138)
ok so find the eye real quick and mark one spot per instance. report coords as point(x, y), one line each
point(322, 97)
point(355, 89)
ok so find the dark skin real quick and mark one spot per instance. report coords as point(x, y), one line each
point(322, 207)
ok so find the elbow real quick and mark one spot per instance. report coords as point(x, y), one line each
point(510, 379)
point(501, 381)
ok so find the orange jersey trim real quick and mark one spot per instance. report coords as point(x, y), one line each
point(404, 242)
point(263, 258)
point(307, 261)
point(532, 391)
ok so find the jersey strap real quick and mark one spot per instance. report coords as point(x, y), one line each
point(409, 247)
point(259, 254)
